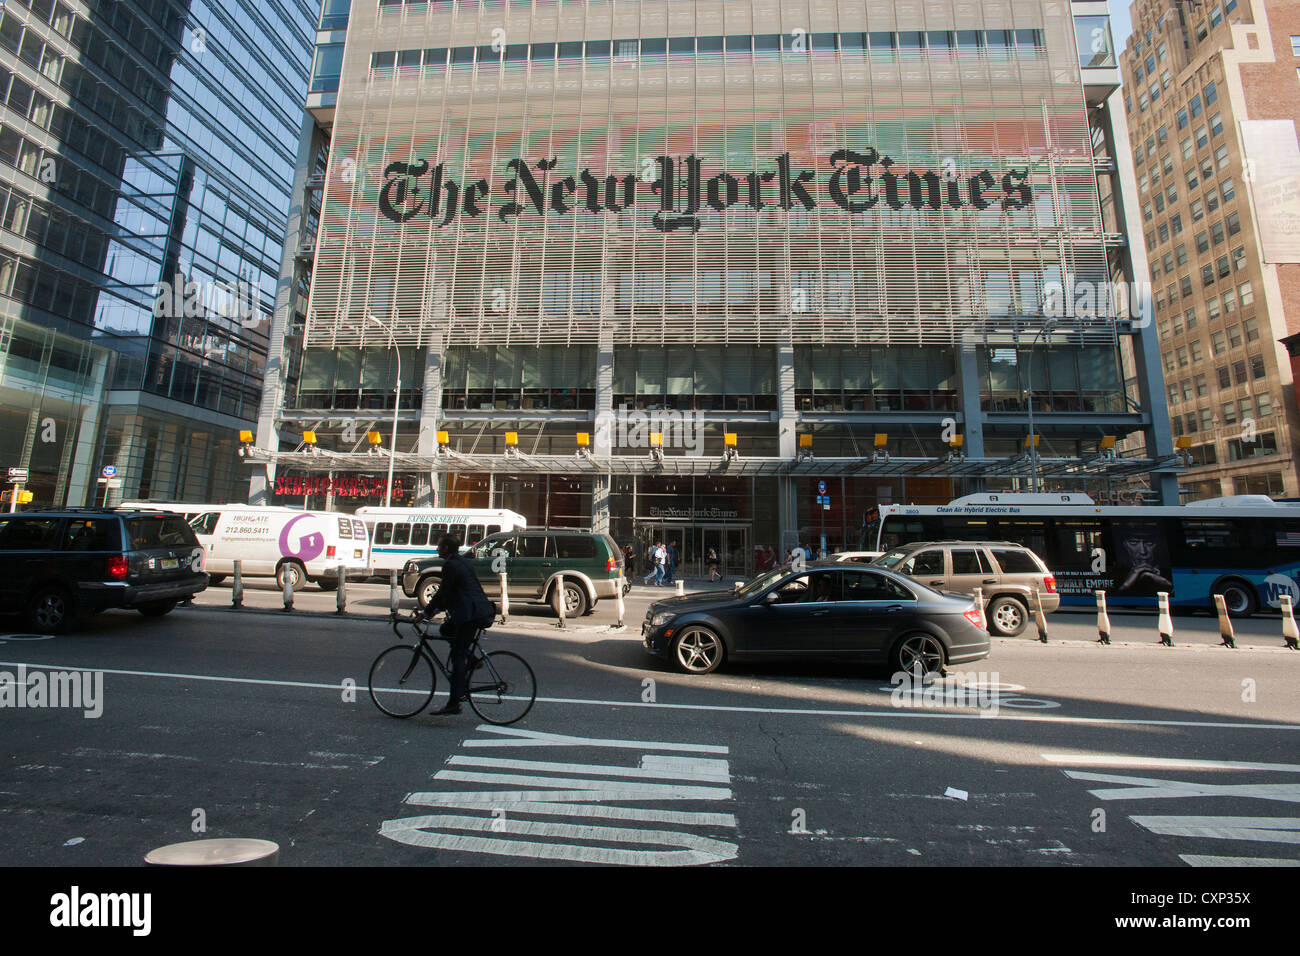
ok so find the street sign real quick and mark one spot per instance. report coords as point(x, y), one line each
point(109, 471)
point(17, 475)
point(821, 487)
point(111, 482)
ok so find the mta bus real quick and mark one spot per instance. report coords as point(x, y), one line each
point(399, 534)
point(1245, 547)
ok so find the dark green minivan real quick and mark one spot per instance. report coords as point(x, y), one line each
point(535, 563)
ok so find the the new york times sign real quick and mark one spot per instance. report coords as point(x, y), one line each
point(857, 182)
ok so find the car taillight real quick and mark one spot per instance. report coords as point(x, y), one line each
point(973, 615)
point(1049, 582)
point(611, 564)
point(117, 566)
point(329, 552)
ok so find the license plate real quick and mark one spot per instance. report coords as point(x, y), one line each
point(169, 564)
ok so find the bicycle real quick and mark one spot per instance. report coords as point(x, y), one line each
point(403, 678)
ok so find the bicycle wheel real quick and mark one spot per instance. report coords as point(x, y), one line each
point(402, 680)
point(502, 689)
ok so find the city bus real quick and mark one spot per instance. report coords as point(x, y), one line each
point(1246, 548)
point(399, 534)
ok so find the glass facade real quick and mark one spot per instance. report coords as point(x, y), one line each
point(642, 251)
point(147, 153)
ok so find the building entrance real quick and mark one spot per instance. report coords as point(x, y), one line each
point(730, 542)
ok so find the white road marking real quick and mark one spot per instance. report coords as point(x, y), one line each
point(1166, 763)
point(538, 738)
point(1261, 829)
point(630, 791)
point(720, 708)
point(705, 771)
point(688, 848)
point(1192, 859)
point(1156, 788)
point(516, 804)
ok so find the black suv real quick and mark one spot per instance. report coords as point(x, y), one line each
point(58, 565)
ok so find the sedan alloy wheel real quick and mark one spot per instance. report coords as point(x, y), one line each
point(698, 650)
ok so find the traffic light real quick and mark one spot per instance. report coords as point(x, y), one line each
point(24, 497)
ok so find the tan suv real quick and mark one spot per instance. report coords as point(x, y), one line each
point(1009, 573)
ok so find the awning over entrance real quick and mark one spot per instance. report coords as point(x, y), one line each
point(317, 460)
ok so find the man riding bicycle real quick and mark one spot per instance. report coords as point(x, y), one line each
point(468, 611)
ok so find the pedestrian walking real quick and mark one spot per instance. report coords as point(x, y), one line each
point(629, 562)
point(712, 558)
point(658, 558)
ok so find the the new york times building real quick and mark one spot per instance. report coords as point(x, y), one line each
point(723, 272)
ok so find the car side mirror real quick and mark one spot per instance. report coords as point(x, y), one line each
point(772, 597)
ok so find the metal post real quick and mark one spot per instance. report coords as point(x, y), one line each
point(1225, 623)
point(559, 601)
point(1040, 619)
point(237, 587)
point(618, 601)
point(681, 587)
point(392, 592)
point(288, 590)
point(1165, 623)
point(1103, 619)
point(1290, 634)
point(341, 598)
point(397, 403)
point(505, 599)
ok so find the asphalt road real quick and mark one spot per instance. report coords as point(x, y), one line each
point(222, 723)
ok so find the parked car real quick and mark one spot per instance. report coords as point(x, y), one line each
point(56, 566)
point(825, 611)
point(1008, 573)
point(534, 562)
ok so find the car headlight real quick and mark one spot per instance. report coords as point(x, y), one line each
point(662, 618)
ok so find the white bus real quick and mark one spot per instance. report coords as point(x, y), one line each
point(399, 534)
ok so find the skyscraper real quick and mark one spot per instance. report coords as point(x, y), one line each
point(670, 268)
point(1212, 94)
point(147, 149)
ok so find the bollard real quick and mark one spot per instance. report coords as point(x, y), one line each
point(618, 601)
point(1165, 622)
point(1290, 633)
point(1225, 623)
point(559, 601)
point(288, 589)
point(681, 588)
point(979, 604)
point(1103, 619)
point(1040, 618)
point(237, 587)
point(341, 598)
point(505, 601)
point(392, 592)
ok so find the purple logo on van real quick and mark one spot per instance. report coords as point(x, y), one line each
point(309, 545)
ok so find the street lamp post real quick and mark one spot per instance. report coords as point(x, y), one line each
point(1047, 327)
point(397, 403)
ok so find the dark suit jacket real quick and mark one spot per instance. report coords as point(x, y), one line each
point(460, 594)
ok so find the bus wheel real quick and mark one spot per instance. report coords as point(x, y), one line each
point(1238, 597)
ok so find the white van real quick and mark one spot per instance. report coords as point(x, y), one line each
point(399, 534)
point(302, 545)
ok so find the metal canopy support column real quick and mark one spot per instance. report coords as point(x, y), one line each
point(788, 439)
point(968, 371)
point(428, 491)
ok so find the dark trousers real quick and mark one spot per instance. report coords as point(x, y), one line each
point(459, 657)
